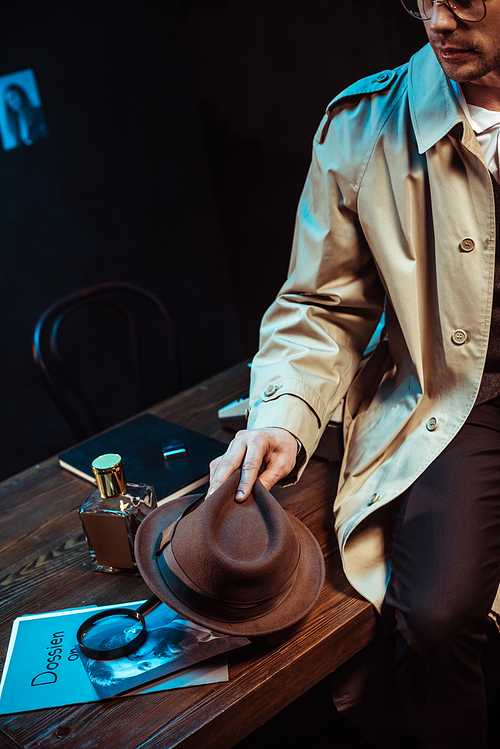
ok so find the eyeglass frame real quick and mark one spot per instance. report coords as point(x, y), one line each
point(447, 3)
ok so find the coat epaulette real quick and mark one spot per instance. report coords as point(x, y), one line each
point(372, 84)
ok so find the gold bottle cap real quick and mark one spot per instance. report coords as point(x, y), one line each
point(109, 475)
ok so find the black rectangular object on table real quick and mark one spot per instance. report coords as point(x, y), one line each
point(140, 443)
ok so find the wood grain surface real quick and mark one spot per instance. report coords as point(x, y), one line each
point(46, 567)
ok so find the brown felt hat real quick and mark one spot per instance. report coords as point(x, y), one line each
point(247, 569)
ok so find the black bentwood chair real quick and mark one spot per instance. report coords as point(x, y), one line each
point(105, 353)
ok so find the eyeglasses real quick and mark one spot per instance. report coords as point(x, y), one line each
point(466, 10)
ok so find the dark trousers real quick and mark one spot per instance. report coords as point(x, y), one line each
point(445, 573)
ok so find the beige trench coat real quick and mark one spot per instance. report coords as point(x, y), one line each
point(398, 213)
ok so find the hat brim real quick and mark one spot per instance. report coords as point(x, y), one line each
point(301, 599)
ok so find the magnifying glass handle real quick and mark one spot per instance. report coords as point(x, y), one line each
point(148, 605)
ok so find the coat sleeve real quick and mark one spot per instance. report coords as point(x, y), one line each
point(314, 334)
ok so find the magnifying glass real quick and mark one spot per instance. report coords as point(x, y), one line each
point(115, 633)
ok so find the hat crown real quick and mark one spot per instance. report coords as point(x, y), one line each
point(241, 552)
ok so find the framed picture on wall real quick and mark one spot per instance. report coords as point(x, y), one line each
point(22, 121)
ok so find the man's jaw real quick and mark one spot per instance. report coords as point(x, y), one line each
point(459, 60)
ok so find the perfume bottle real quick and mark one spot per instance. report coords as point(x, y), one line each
point(111, 515)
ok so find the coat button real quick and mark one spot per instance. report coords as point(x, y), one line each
point(382, 77)
point(374, 498)
point(432, 424)
point(271, 390)
point(459, 337)
point(467, 244)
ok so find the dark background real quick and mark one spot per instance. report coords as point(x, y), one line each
point(179, 139)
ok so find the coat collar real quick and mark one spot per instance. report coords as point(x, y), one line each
point(434, 110)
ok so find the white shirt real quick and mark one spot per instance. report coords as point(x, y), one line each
point(486, 125)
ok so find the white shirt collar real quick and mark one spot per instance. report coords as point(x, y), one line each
point(486, 125)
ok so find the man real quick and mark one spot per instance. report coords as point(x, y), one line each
point(399, 215)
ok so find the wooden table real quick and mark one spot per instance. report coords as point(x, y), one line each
point(46, 567)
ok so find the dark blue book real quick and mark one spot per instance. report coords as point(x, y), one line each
point(173, 459)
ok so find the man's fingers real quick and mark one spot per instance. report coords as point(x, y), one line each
point(278, 468)
point(257, 449)
point(273, 448)
point(221, 468)
point(249, 474)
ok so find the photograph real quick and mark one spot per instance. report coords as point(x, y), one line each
point(21, 114)
point(171, 644)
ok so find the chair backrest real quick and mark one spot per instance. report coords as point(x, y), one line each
point(105, 353)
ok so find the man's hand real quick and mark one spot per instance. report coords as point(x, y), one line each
point(274, 448)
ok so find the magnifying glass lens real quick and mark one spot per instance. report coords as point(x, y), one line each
point(111, 635)
point(111, 632)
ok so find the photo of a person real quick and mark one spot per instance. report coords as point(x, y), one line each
point(172, 644)
point(163, 645)
point(21, 118)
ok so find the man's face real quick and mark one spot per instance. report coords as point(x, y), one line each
point(466, 51)
point(127, 669)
